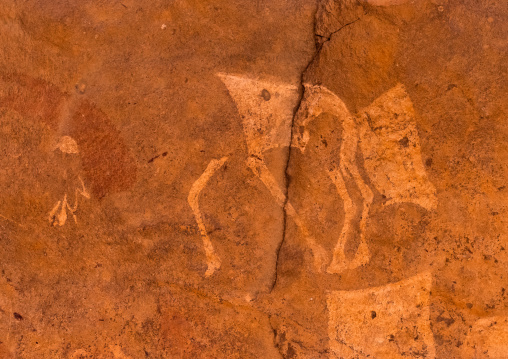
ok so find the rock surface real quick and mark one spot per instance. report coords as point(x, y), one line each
point(253, 179)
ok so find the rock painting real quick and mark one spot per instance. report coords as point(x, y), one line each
point(392, 152)
point(58, 215)
point(67, 145)
point(385, 135)
point(266, 109)
point(82, 130)
point(212, 259)
point(107, 164)
point(387, 322)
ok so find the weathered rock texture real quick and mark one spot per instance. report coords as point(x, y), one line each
point(253, 179)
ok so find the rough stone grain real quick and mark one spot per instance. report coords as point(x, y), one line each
point(253, 179)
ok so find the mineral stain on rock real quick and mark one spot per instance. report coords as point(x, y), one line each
point(266, 95)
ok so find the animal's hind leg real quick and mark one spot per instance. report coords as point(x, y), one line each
point(362, 255)
point(339, 261)
point(258, 166)
point(213, 261)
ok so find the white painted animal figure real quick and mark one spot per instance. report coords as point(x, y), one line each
point(267, 110)
point(385, 134)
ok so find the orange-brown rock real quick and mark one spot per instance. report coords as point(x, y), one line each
point(253, 179)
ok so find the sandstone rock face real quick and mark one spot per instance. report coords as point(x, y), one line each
point(253, 179)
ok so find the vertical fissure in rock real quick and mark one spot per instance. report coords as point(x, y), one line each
point(287, 177)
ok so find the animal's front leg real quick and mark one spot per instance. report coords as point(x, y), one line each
point(339, 261)
point(362, 255)
point(213, 261)
point(258, 166)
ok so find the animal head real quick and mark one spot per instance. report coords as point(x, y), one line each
point(316, 101)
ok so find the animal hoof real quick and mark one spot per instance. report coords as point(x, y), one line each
point(362, 256)
point(339, 264)
point(320, 258)
point(213, 265)
point(337, 268)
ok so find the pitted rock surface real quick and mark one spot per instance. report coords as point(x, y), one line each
point(253, 179)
